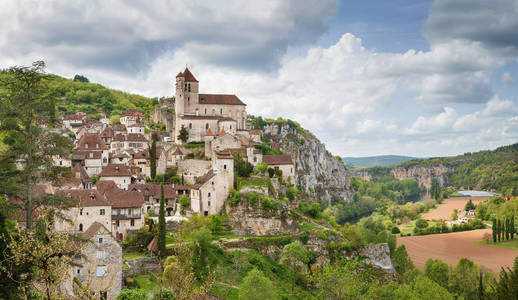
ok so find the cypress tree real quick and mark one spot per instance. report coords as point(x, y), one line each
point(513, 229)
point(499, 230)
point(507, 228)
point(152, 159)
point(161, 224)
point(494, 230)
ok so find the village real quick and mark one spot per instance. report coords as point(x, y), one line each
point(111, 170)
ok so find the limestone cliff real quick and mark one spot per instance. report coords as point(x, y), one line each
point(423, 175)
point(320, 175)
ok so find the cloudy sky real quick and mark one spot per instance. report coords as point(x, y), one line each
point(411, 77)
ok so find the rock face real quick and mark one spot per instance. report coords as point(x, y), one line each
point(319, 174)
point(378, 255)
point(250, 220)
point(424, 175)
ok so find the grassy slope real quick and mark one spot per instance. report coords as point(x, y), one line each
point(511, 244)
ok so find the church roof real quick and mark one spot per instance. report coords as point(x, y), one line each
point(219, 99)
point(222, 132)
point(209, 132)
point(188, 75)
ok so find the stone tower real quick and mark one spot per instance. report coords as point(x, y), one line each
point(187, 87)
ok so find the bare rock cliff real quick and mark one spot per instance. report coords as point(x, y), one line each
point(320, 175)
point(424, 175)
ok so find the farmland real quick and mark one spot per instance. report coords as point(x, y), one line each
point(444, 211)
point(450, 247)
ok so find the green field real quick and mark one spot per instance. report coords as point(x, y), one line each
point(511, 244)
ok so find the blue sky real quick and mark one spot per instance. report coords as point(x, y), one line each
point(419, 78)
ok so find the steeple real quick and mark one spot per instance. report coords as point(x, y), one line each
point(188, 76)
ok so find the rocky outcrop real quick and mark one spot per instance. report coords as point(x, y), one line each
point(319, 174)
point(378, 255)
point(253, 220)
point(423, 175)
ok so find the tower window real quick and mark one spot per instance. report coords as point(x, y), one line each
point(224, 167)
point(221, 111)
point(190, 125)
point(207, 126)
point(80, 227)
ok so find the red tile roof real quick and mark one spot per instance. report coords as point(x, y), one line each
point(104, 186)
point(178, 151)
point(203, 179)
point(219, 99)
point(91, 141)
point(255, 132)
point(114, 170)
point(84, 154)
point(107, 132)
point(136, 137)
point(209, 132)
point(188, 76)
point(154, 190)
point(222, 133)
point(124, 199)
point(79, 172)
point(85, 197)
point(194, 117)
point(277, 159)
point(73, 117)
point(132, 112)
point(92, 230)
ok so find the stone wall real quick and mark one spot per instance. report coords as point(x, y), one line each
point(141, 266)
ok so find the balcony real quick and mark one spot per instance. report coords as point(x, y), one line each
point(125, 216)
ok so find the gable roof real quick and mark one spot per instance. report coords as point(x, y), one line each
point(209, 132)
point(91, 141)
point(104, 186)
point(178, 151)
point(93, 230)
point(115, 170)
point(79, 172)
point(125, 199)
point(219, 99)
point(136, 137)
point(154, 190)
point(188, 75)
point(85, 198)
point(107, 132)
point(203, 179)
point(85, 154)
point(284, 159)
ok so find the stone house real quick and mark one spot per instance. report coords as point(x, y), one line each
point(221, 142)
point(120, 158)
point(254, 156)
point(73, 122)
point(151, 193)
point(127, 212)
point(283, 163)
point(136, 141)
point(119, 173)
point(78, 179)
point(93, 142)
point(175, 156)
point(255, 135)
point(91, 206)
point(136, 128)
point(100, 265)
point(131, 116)
point(107, 135)
point(199, 112)
point(119, 129)
point(92, 161)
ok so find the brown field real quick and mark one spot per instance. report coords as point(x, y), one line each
point(450, 247)
point(444, 211)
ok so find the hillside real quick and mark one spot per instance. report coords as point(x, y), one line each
point(379, 160)
point(92, 98)
point(492, 170)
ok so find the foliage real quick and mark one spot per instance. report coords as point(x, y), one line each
point(183, 135)
point(242, 167)
point(184, 200)
point(294, 258)
point(312, 210)
point(508, 282)
point(262, 167)
point(267, 149)
point(161, 225)
point(437, 271)
point(256, 286)
point(80, 78)
point(132, 294)
point(421, 223)
point(152, 159)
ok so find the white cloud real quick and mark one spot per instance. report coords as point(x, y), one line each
point(506, 78)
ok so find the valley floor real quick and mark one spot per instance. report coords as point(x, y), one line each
point(450, 247)
point(444, 210)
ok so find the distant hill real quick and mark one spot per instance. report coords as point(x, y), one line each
point(380, 160)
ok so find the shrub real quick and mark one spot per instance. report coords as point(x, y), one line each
point(184, 200)
point(395, 230)
point(421, 223)
point(132, 294)
point(271, 172)
point(262, 167)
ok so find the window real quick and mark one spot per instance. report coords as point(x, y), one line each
point(189, 87)
point(100, 254)
point(60, 162)
point(208, 203)
point(103, 295)
point(205, 111)
point(81, 212)
point(230, 127)
point(206, 126)
point(78, 271)
point(190, 125)
point(101, 271)
point(132, 222)
point(221, 111)
point(117, 223)
point(101, 211)
point(100, 240)
point(80, 227)
point(205, 213)
point(208, 195)
point(224, 167)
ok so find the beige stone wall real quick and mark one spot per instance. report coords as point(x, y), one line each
point(194, 167)
point(93, 166)
point(197, 128)
point(288, 172)
point(225, 142)
point(85, 216)
point(111, 282)
point(122, 182)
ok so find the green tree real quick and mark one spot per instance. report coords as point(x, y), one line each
point(256, 286)
point(402, 263)
point(507, 286)
point(421, 223)
point(499, 230)
point(152, 159)
point(494, 230)
point(80, 78)
point(294, 258)
point(454, 215)
point(242, 167)
point(161, 225)
point(262, 167)
point(465, 278)
point(425, 288)
point(513, 229)
point(437, 271)
point(202, 248)
point(469, 206)
point(183, 134)
point(27, 116)
point(132, 294)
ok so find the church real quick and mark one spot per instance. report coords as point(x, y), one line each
point(200, 112)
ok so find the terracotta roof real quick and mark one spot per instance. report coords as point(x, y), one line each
point(222, 133)
point(80, 173)
point(91, 141)
point(137, 125)
point(123, 199)
point(85, 154)
point(277, 159)
point(104, 186)
point(113, 170)
point(119, 138)
point(119, 155)
point(73, 117)
point(153, 190)
point(136, 137)
point(179, 75)
point(132, 112)
point(255, 132)
point(92, 230)
point(225, 154)
point(244, 141)
point(153, 245)
point(188, 76)
point(194, 117)
point(226, 119)
point(209, 132)
point(85, 197)
point(203, 179)
point(107, 132)
point(178, 151)
point(91, 122)
point(219, 99)
point(119, 127)
point(142, 154)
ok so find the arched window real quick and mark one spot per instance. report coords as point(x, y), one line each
point(205, 111)
point(189, 87)
point(80, 227)
point(208, 194)
point(207, 126)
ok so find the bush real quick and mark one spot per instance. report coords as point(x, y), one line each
point(262, 167)
point(271, 172)
point(184, 200)
point(234, 197)
point(421, 223)
point(132, 294)
point(395, 230)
